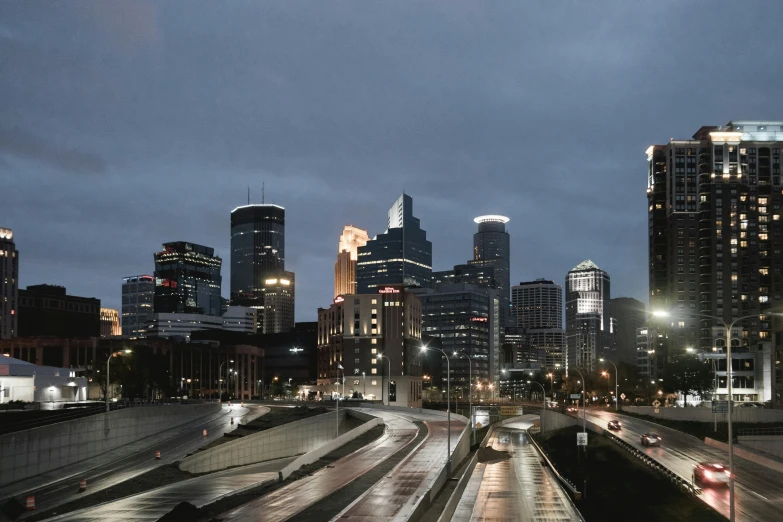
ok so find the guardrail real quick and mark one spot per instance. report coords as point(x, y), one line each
point(575, 493)
point(674, 478)
point(744, 432)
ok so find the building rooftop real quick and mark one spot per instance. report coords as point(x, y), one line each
point(585, 265)
point(491, 218)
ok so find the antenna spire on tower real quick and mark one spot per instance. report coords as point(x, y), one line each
point(262, 192)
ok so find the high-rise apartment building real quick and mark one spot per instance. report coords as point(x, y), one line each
point(465, 319)
point(399, 256)
point(347, 253)
point(187, 280)
point(110, 323)
point(491, 248)
point(475, 275)
point(278, 313)
point(138, 293)
point(714, 211)
point(356, 329)
point(589, 326)
point(714, 206)
point(9, 284)
point(257, 251)
point(537, 306)
point(631, 314)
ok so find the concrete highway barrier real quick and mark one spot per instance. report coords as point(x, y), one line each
point(24, 454)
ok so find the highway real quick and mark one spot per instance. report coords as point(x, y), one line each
point(395, 496)
point(199, 491)
point(518, 488)
point(758, 490)
point(285, 502)
point(117, 466)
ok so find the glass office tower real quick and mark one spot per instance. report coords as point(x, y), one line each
point(401, 255)
point(257, 251)
point(187, 279)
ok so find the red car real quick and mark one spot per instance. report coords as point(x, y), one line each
point(711, 473)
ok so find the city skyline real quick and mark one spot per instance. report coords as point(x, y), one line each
point(89, 172)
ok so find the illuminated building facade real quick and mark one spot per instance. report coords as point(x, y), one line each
point(187, 280)
point(9, 284)
point(355, 329)
point(491, 248)
point(589, 327)
point(110, 323)
point(138, 293)
point(257, 251)
point(347, 253)
point(714, 207)
point(465, 319)
point(400, 256)
point(278, 312)
point(537, 307)
point(714, 213)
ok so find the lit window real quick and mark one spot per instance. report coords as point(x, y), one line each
point(374, 350)
point(374, 301)
point(374, 371)
point(374, 382)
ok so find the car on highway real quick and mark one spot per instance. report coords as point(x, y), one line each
point(710, 473)
point(572, 409)
point(651, 439)
point(615, 425)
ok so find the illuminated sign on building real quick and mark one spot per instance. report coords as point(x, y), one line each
point(479, 319)
point(339, 299)
point(388, 290)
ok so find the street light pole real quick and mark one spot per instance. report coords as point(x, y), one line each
point(543, 391)
point(729, 390)
point(220, 388)
point(108, 360)
point(616, 385)
point(551, 385)
point(470, 384)
point(448, 405)
point(388, 389)
point(364, 382)
point(584, 401)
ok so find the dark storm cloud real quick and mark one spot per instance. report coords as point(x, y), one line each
point(537, 110)
point(17, 142)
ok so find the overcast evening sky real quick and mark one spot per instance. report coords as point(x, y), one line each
point(124, 125)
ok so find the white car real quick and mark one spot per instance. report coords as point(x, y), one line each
point(651, 439)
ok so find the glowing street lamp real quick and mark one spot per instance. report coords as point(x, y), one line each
point(616, 384)
point(108, 360)
point(424, 348)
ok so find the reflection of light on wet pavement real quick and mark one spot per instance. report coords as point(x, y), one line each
point(518, 488)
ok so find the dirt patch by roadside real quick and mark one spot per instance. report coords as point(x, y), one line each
point(490, 455)
point(277, 416)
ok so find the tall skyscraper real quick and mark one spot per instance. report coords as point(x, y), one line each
point(631, 315)
point(347, 253)
point(9, 284)
point(187, 279)
point(138, 293)
point(279, 302)
point(491, 247)
point(464, 318)
point(714, 211)
point(400, 256)
point(537, 306)
point(257, 250)
point(588, 321)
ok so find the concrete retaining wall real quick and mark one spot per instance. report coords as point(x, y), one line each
point(28, 453)
point(308, 458)
point(772, 444)
point(751, 415)
point(290, 439)
point(552, 420)
point(746, 454)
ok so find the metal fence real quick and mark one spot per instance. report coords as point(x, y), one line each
point(745, 432)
